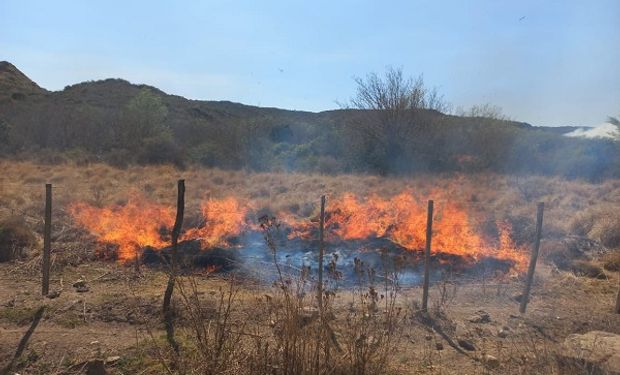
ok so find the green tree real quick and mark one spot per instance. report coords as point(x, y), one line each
point(142, 119)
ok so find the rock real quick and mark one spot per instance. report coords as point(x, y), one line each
point(480, 316)
point(80, 286)
point(112, 359)
point(438, 346)
point(490, 361)
point(595, 352)
point(79, 283)
point(95, 367)
point(53, 294)
point(466, 344)
point(502, 333)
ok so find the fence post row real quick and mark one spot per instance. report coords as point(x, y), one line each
point(47, 239)
point(427, 250)
point(530, 272)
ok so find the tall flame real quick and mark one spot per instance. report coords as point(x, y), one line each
point(223, 218)
point(132, 226)
point(402, 219)
point(140, 223)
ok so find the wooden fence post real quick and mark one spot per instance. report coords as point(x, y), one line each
point(530, 271)
point(427, 255)
point(47, 239)
point(176, 231)
point(321, 253)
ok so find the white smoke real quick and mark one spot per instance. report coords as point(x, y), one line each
point(605, 130)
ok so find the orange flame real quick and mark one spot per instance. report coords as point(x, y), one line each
point(402, 219)
point(224, 218)
point(132, 226)
point(141, 223)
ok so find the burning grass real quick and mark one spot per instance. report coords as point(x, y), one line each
point(476, 217)
point(352, 221)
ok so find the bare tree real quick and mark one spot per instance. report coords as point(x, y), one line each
point(391, 115)
point(487, 110)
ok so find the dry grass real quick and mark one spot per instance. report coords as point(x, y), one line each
point(571, 206)
point(611, 261)
point(250, 329)
point(15, 236)
point(599, 223)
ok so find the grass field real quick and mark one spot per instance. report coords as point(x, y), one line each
point(244, 326)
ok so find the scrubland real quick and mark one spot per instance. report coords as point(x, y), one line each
point(227, 324)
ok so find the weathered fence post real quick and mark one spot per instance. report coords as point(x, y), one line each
point(47, 239)
point(530, 271)
point(427, 255)
point(176, 231)
point(321, 253)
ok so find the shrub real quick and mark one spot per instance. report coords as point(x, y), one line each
point(15, 237)
point(160, 149)
point(611, 261)
point(588, 269)
point(119, 158)
point(607, 230)
point(601, 225)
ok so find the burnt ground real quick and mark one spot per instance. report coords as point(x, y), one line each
point(120, 316)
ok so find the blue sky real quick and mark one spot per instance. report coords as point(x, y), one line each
point(559, 65)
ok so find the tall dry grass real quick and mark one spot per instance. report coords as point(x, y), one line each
point(572, 207)
point(286, 330)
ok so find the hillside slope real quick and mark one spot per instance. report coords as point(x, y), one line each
point(119, 122)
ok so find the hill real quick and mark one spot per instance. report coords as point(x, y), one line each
point(119, 122)
point(13, 82)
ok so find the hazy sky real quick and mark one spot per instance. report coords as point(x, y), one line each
point(543, 62)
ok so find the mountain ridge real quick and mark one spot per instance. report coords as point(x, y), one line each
point(95, 121)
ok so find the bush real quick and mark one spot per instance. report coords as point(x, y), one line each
point(328, 165)
point(611, 261)
point(160, 149)
point(119, 158)
point(601, 225)
point(15, 237)
point(588, 269)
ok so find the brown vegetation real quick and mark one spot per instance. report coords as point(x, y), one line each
point(15, 237)
point(243, 327)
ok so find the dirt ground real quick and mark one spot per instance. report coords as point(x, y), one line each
point(121, 313)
